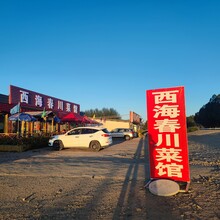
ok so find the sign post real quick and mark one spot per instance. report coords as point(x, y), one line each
point(167, 135)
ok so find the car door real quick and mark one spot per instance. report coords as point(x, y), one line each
point(121, 132)
point(116, 133)
point(87, 135)
point(72, 138)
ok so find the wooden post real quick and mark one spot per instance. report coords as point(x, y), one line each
point(45, 125)
point(6, 123)
point(31, 127)
point(27, 129)
point(22, 128)
point(52, 124)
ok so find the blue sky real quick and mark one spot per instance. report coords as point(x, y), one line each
point(107, 53)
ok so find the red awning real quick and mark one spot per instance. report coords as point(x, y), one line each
point(88, 120)
point(5, 107)
point(72, 117)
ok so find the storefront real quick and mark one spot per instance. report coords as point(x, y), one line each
point(47, 111)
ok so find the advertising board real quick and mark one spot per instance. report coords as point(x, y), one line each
point(35, 99)
point(167, 134)
point(135, 118)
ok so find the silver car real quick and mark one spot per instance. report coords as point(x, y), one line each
point(125, 133)
point(95, 138)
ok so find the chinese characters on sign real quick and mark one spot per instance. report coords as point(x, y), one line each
point(167, 134)
point(20, 95)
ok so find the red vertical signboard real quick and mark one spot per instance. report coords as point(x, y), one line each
point(167, 134)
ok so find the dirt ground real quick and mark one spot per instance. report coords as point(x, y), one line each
point(81, 184)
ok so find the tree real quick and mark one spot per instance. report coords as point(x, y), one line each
point(209, 115)
point(190, 121)
point(107, 113)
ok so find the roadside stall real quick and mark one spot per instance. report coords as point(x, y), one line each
point(23, 123)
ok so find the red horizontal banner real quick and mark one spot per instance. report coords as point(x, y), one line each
point(34, 99)
point(167, 134)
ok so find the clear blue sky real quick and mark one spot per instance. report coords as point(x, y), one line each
point(107, 53)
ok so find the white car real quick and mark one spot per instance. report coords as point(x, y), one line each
point(86, 137)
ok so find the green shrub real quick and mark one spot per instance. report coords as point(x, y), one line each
point(31, 142)
point(191, 129)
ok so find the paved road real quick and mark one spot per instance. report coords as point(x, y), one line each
point(107, 185)
point(76, 183)
point(122, 159)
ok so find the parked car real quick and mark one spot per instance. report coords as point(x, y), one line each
point(125, 133)
point(86, 137)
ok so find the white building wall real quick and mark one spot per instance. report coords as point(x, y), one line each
point(111, 124)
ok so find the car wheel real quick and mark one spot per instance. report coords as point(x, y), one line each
point(58, 145)
point(127, 137)
point(95, 145)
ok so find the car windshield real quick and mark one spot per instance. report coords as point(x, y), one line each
point(105, 130)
